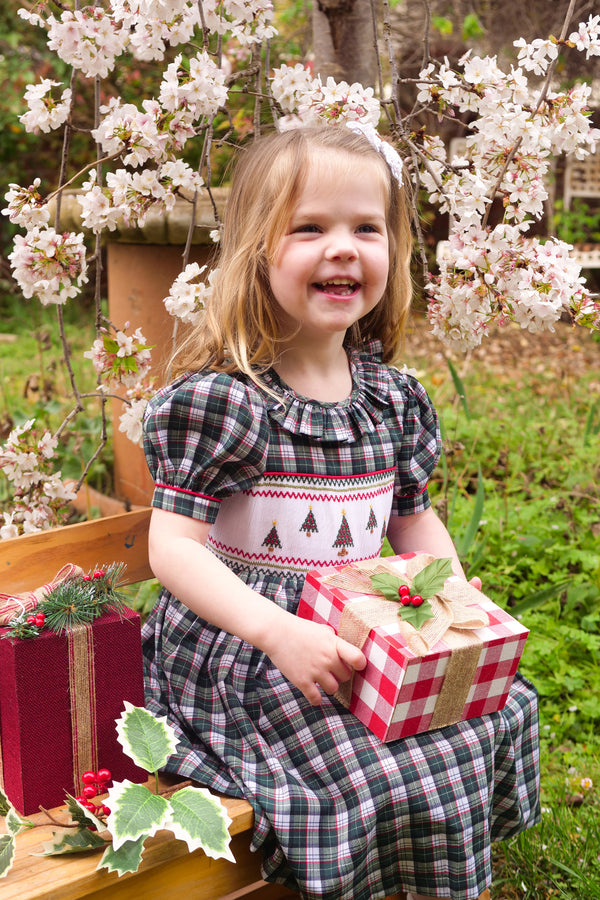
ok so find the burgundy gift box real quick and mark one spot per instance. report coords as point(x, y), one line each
point(408, 687)
point(59, 698)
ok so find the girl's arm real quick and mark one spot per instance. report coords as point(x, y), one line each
point(426, 532)
point(307, 654)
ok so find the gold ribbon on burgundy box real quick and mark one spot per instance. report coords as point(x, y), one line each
point(454, 618)
point(78, 680)
point(80, 642)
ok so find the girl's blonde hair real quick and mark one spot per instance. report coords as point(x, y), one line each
point(239, 331)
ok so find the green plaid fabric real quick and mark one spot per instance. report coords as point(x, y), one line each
point(338, 814)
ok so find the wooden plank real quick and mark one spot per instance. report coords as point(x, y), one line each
point(31, 560)
point(166, 863)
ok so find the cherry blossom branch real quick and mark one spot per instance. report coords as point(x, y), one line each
point(543, 94)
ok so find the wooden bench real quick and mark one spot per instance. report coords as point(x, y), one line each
point(168, 870)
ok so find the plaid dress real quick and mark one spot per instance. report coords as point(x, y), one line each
point(290, 484)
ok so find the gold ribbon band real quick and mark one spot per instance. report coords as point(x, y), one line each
point(82, 687)
point(12, 605)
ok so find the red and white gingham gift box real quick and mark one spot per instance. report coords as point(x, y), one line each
point(396, 694)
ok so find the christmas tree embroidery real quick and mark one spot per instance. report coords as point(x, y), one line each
point(372, 522)
point(272, 539)
point(344, 538)
point(310, 523)
point(383, 530)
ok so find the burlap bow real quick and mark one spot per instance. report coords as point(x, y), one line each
point(455, 618)
point(12, 605)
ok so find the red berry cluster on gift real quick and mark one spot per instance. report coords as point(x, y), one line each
point(98, 573)
point(408, 599)
point(38, 620)
point(94, 783)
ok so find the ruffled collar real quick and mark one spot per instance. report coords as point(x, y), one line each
point(345, 421)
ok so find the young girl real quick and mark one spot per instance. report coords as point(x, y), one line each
point(284, 434)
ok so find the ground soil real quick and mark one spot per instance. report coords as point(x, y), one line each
point(568, 349)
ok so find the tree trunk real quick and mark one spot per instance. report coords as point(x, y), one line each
point(343, 41)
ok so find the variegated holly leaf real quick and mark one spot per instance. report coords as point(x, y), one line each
point(7, 853)
point(200, 819)
point(135, 812)
point(149, 740)
point(430, 580)
point(78, 840)
point(81, 815)
point(126, 859)
point(15, 823)
point(5, 803)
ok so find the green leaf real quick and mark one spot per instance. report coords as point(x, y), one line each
point(149, 740)
point(135, 812)
point(538, 598)
point(416, 615)
point(430, 580)
point(201, 820)
point(15, 823)
point(388, 585)
point(5, 803)
point(7, 853)
point(64, 843)
point(459, 387)
point(126, 859)
point(463, 545)
point(442, 24)
point(471, 27)
point(81, 815)
point(110, 345)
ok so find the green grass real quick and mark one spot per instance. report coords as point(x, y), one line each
point(520, 491)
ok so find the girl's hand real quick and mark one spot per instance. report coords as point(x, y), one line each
point(312, 655)
point(476, 582)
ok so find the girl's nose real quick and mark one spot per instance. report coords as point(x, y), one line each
point(341, 245)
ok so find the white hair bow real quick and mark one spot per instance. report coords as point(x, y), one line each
point(390, 155)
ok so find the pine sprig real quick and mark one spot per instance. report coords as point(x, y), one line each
point(69, 604)
point(76, 601)
point(83, 598)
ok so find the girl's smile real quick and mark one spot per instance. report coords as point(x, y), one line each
point(332, 264)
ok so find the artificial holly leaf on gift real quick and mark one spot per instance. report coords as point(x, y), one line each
point(79, 840)
point(388, 585)
point(7, 853)
point(135, 812)
point(126, 859)
point(416, 615)
point(201, 820)
point(430, 580)
point(149, 740)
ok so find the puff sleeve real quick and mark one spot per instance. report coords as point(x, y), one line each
point(414, 424)
point(205, 438)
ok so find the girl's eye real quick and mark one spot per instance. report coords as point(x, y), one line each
point(367, 229)
point(308, 229)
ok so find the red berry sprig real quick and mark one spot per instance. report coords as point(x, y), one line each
point(26, 625)
point(408, 599)
point(94, 783)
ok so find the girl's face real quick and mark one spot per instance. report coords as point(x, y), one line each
point(331, 267)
